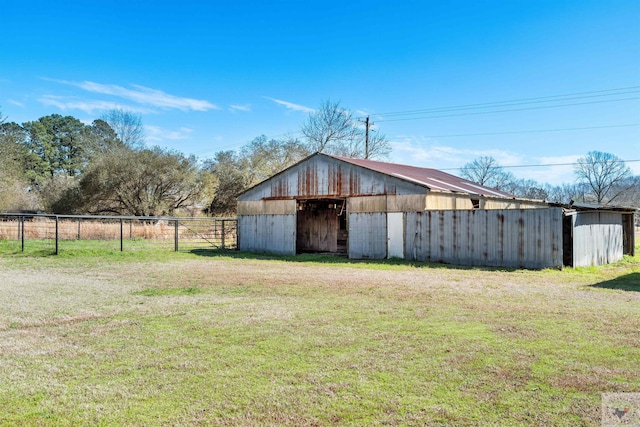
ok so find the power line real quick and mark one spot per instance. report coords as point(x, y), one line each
point(543, 165)
point(437, 110)
point(508, 110)
point(526, 131)
point(522, 100)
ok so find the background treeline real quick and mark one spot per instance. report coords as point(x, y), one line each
point(58, 164)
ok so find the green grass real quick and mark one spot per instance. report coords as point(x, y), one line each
point(222, 338)
point(154, 292)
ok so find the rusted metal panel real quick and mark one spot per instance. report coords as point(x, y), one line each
point(597, 238)
point(431, 178)
point(322, 175)
point(325, 176)
point(267, 207)
point(503, 238)
point(267, 233)
point(368, 235)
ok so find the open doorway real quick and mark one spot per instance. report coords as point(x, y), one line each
point(321, 226)
point(567, 240)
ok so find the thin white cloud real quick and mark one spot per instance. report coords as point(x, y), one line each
point(14, 102)
point(88, 106)
point(291, 105)
point(157, 133)
point(422, 151)
point(236, 107)
point(143, 95)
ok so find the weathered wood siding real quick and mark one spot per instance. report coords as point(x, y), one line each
point(368, 235)
point(434, 200)
point(494, 203)
point(597, 238)
point(267, 207)
point(440, 201)
point(267, 233)
point(317, 230)
point(518, 238)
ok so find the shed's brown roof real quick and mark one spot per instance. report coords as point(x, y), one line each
point(431, 178)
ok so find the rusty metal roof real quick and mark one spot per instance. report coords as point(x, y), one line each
point(430, 178)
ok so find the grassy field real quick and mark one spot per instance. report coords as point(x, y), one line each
point(221, 338)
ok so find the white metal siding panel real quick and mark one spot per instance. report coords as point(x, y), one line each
point(520, 238)
point(267, 233)
point(597, 238)
point(368, 235)
point(395, 235)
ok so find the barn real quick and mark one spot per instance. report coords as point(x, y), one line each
point(366, 209)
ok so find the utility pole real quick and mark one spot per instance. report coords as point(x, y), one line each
point(366, 139)
point(367, 124)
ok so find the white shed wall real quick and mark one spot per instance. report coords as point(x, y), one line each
point(597, 238)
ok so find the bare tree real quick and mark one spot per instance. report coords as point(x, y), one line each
point(603, 173)
point(630, 192)
point(333, 129)
point(486, 171)
point(128, 126)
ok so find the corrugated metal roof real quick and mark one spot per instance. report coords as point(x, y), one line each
point(594, 207)
point(431, 178)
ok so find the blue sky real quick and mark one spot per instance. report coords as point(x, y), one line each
point(209, 76)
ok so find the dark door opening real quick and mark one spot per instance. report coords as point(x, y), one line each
point(567, 240)
point(321, 226)
point(628, 235)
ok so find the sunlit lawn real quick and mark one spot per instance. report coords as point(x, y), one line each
point(220, 338)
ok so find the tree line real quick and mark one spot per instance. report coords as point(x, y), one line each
point(600, 178)
point(58, 164)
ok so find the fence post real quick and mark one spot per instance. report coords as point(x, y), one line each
point(175, 223)
point(79, 228)
point(57, 230)
point(121, 236)
point(21, 231)
point(223, 235)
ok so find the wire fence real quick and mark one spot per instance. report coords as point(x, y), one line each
point(56, 233)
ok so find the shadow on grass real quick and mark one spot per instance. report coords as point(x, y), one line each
point(337, 259)
point(628, 282)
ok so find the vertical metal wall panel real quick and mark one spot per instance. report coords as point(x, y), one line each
point(517, 238)
point(368, 235)
point(597, 238)
point(267, 233)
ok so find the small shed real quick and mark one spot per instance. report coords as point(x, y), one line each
point(368, 209)
point(597, 234)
